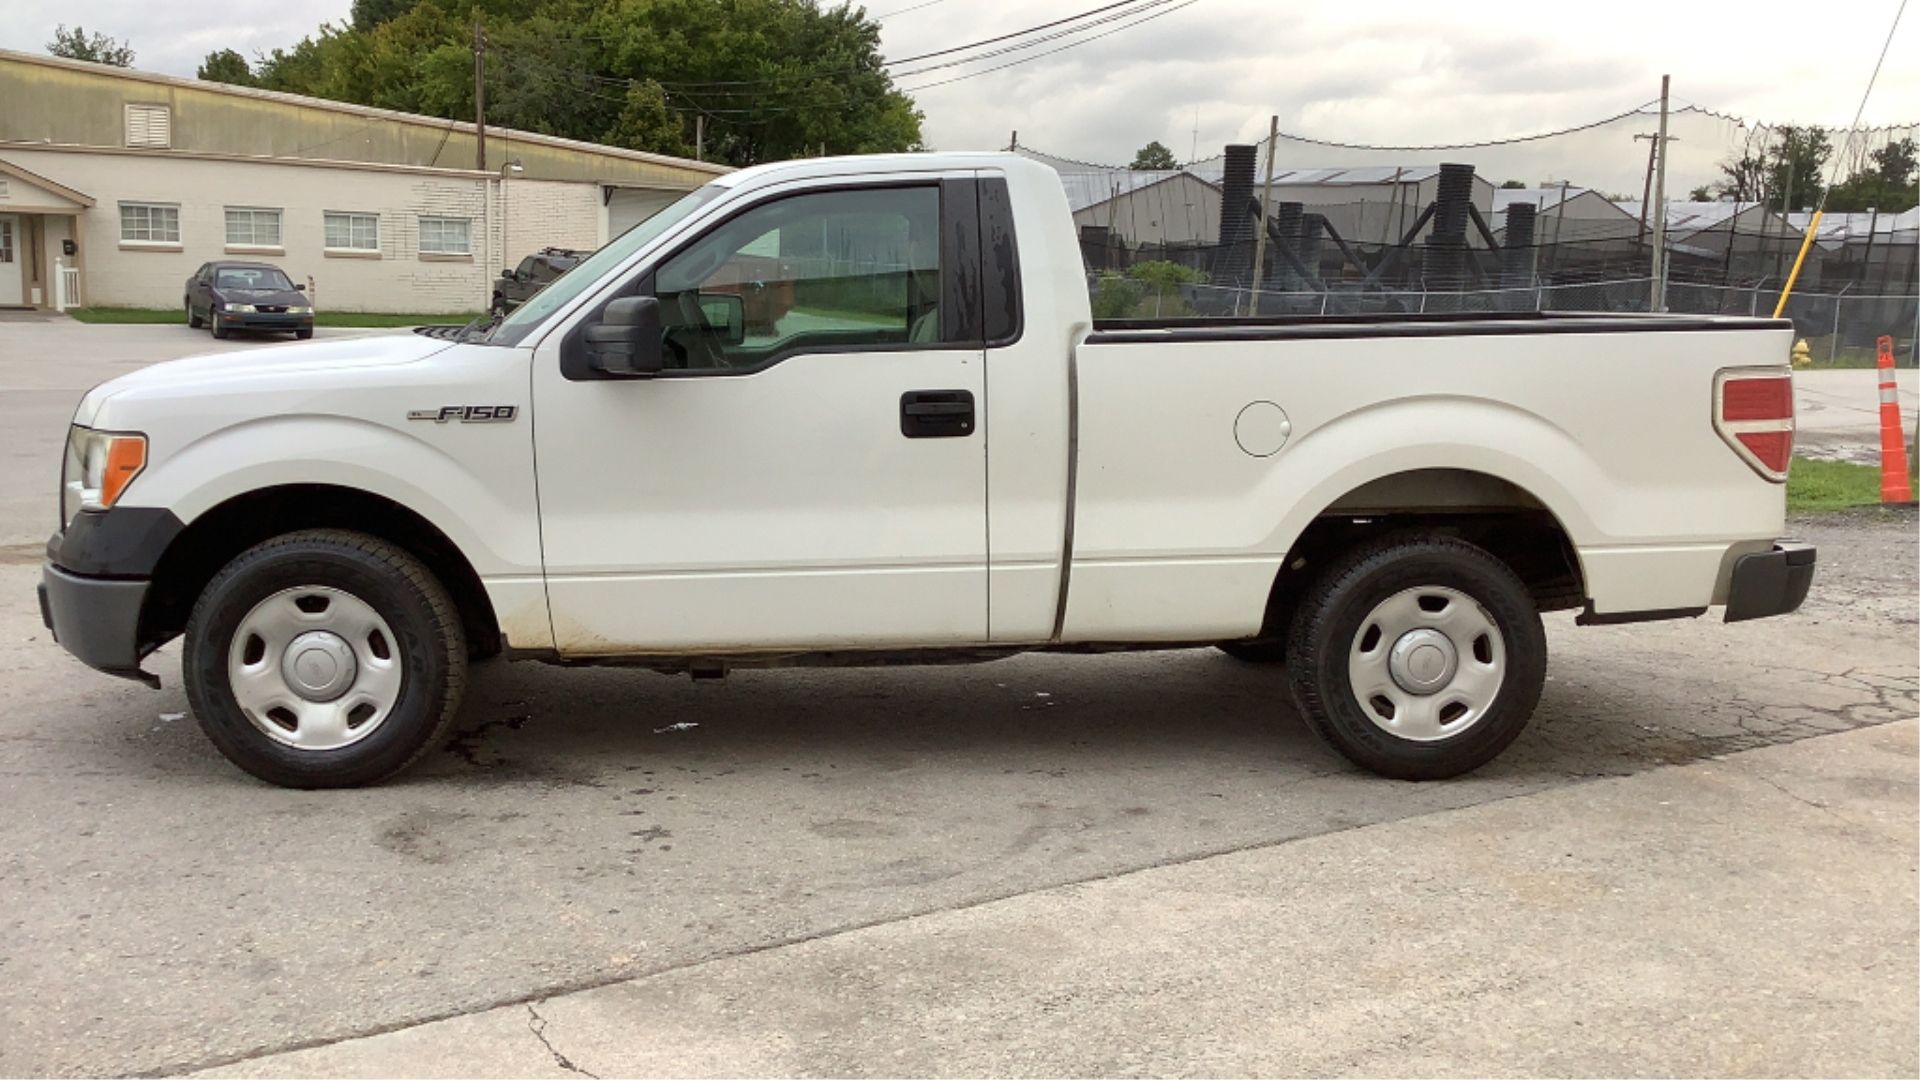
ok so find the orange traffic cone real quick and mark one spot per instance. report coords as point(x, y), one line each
point(1893, 441)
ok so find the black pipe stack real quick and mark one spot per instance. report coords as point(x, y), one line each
point(1283, 235)
point(1233, 265)
point(1517, 253)
point(1313, 227)
point(1446, 262)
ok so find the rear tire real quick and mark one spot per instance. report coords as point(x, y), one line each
point(194, 322)
point(1447, 643)
point(382, 630)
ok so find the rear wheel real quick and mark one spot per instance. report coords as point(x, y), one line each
point(194, 322)
point(1419, 658)
point(325, 658)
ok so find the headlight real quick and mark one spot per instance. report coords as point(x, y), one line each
point(300, 309)
point(98, 468)
point(244, 309)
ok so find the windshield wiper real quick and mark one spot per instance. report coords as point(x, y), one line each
point(490, 320)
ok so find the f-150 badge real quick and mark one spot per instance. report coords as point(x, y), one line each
point(467, 414)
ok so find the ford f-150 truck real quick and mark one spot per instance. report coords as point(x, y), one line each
point(931, 452)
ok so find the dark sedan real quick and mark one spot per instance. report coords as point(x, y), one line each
point(247, 296)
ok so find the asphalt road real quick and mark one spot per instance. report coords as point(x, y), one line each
point(164, 911)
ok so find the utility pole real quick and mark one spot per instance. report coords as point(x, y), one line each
point(479, 96)
point(1260, 241)
point(1659, 297)
point(700, 137)
point(1014, 142)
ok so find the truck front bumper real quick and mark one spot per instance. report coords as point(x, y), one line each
point(1770, 583)
point(95, 619)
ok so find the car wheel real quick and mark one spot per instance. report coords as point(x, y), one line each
point(303, 333)
point(194, 322)
point(219, 328)
point(1418, 658)
point(1255, 652)
point(324, 659)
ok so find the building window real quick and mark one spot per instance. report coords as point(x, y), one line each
point(3, 187)
point(150, 126)
point(352, 232)
point(150, 223)
point(249, 226)
point(446, 236)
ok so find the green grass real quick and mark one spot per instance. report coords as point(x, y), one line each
point(125, 315)
point(1831, 485)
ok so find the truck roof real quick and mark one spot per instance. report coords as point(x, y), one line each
point(807, 168)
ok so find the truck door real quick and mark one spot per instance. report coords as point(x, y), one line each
point(810, 469)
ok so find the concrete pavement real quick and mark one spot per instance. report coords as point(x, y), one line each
point(1752, 915)
point(165, 912)
point(1837, 412)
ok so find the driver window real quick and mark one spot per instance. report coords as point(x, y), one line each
point(817, 272)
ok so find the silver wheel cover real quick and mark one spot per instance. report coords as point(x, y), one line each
point(1426, 663)
point(315, 668)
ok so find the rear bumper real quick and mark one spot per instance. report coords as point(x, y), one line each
point(95, 619)
point(1770, 583)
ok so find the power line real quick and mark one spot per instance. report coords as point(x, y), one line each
point(1834, 175)
point(1049, 52)
point(904, 10)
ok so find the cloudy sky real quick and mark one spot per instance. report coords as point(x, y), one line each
point(1401, 72)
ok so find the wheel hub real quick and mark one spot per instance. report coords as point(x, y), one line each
point(1423, 661)
point(319, 665)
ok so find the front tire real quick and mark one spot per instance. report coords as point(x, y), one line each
point(1418, 658)
point(219, 328)
point(323, 659)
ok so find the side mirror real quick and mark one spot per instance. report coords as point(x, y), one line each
point(627, 340)
point(510, 274)
point(299, 287)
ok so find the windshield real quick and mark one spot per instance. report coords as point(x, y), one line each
point(595, 266)
point(250, 277)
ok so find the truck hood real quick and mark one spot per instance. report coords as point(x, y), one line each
point(270, 363)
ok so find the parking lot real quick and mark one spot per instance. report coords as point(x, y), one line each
point(1698, 859)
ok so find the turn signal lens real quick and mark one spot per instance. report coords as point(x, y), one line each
point(126, 456)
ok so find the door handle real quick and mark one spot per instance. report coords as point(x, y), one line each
point(936, 414)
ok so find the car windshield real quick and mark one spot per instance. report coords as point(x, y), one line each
point(591, 269)
point(250, 277)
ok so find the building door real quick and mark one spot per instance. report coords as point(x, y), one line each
point(12, 276)
point(627, 207)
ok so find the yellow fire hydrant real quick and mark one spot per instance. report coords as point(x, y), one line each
point(1802, 354)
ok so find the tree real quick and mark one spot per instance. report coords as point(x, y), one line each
point(1886, 184)
point(1513, 185)
point(1792, 166)
point(77, 44)
point(225, 66)
point(772, 79)
point(1154, 156)
point(1703, 193)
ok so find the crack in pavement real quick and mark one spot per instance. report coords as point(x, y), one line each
point(538, 1025)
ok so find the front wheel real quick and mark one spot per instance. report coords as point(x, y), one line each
point(219, 328)
point(1419, 658)
point(325, 658)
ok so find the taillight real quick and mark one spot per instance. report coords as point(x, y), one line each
point(1753, 412)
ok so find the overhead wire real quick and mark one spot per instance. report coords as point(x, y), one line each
point(1050, 52)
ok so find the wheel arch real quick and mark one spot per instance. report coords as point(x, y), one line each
point(215, 537)
point(1492, 511)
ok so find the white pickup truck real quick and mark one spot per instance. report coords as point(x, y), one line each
point(858, 409)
